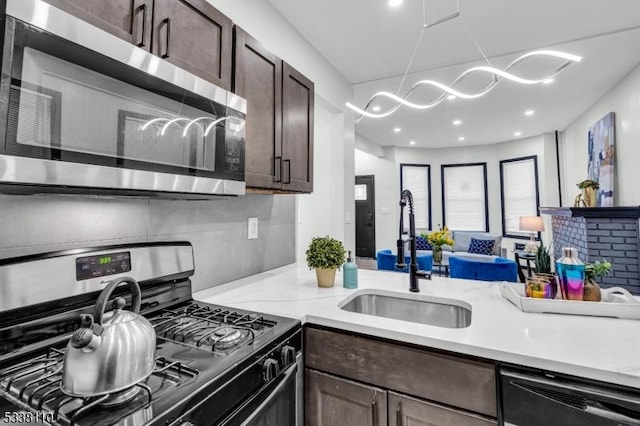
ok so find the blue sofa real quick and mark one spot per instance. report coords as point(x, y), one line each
point(386, 260)
point(499, 269)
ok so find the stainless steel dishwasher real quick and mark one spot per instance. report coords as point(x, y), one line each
point(536, 398)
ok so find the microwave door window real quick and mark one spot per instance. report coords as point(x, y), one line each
point(68, 108)
point(32, 119)
point(161, 140)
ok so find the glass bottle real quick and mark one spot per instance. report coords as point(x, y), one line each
point(570, 274)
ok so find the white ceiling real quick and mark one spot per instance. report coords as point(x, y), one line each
point(371, 43)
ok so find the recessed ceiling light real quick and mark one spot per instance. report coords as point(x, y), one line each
point(451, 97)
point(376, 108)
point(529, 112)
point(457, 122)
point(395, 3)
point(412, 142)
point(517, 134)
point(397, 129)
point(461, 138)
point(548, 81)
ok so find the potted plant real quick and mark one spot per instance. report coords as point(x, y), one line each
point(588, 187)
point(437, 239)
point(325, 255)
point(543, 272)
point(592, 271)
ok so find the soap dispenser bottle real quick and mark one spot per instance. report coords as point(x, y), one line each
point(350, 273)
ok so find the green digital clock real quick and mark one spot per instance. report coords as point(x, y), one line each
point(104, 260)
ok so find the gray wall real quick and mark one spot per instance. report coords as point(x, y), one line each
point(216, 228)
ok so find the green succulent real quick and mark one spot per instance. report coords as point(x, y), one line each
point(325, 252)
point(597, 269)
point(543, 259)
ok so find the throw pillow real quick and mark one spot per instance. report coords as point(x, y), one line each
point(481, 246)
point(422, 244)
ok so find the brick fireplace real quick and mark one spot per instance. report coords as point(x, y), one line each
point(609, 233)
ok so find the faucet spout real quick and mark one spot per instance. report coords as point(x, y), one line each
point(406, 198)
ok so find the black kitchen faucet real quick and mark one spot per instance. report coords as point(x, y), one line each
point(414, 273)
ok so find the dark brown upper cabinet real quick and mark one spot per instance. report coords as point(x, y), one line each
point(191, 34)
point(279, 133)
point(195, 36)
point(131, 20)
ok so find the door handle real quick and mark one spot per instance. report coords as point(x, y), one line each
point(277, 169)
point(142, 8)
point(288, 171)
point(399, 414)
point(167, 23)
point(374, 411)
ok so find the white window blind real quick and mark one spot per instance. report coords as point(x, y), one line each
point(416, 180)
point(465, 197)
point(519, 193)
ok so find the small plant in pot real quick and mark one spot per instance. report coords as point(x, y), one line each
point(543, 272)
point(325, 255)
point(591, 272)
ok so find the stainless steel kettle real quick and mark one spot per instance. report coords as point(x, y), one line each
point(112, 351)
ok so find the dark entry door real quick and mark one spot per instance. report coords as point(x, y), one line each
point(365, 217)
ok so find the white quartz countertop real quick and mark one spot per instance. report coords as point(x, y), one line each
point(606, 349)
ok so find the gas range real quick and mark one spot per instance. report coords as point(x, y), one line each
point(214, 365)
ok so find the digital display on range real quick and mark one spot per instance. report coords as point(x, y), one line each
point(102, 265)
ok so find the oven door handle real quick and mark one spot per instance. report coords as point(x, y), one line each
point(283, 382)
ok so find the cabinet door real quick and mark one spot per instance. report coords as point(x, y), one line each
point(128, 19)
point(330, 401)
point(258, 79)
point(406, 411)
point(297, 131)
point(195, 36)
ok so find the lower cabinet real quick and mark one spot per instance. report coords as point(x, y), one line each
point(331, 401)
point(407, 411)
point(356, 380)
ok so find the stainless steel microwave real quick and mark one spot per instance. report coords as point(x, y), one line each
point(84, 111)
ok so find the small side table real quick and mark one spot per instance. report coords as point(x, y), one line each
point(528, 258)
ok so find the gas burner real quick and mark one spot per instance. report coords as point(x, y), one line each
point(204, 327)
point(121, 397)
point(36, 383)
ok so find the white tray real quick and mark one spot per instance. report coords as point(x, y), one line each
point(616, 303)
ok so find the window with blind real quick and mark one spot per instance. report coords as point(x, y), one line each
point(465, 206)
point(417, 179)
point(519, 193)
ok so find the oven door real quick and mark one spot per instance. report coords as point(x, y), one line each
point(82, 108)
point(274, 405)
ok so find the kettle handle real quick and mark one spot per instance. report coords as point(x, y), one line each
point(101, 303)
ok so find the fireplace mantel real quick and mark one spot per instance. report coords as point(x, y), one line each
point(594, 212)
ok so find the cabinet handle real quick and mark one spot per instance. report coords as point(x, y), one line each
point(277, 169)
point(399, 414)
point(288, 170)
point(142, 8)
point(374, 411)
point(167, 23)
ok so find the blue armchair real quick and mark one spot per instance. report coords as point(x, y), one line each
point(386, 260)
point(499, 270)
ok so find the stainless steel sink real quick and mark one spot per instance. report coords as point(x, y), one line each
point(439, 312)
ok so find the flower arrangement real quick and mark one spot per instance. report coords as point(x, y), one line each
point(439, 238)
point(588, 183)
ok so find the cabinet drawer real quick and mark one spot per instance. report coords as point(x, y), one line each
point(447, 379)
point(405, 411)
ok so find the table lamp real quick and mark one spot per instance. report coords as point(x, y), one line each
point(531, 224)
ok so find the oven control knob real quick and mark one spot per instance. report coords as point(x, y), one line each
point(270, 369)
point(288, 355)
